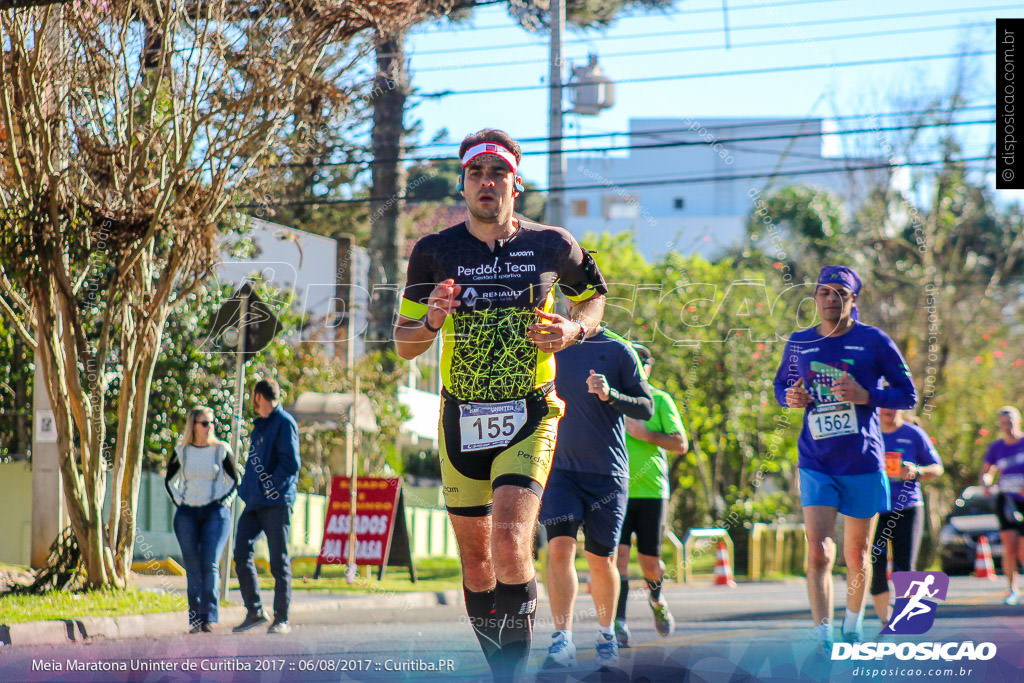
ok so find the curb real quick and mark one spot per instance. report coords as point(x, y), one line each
point(83, 629)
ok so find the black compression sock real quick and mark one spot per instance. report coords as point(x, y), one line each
point(620, 609)
point(480, 608)
point(655, 588)
point(515, 606)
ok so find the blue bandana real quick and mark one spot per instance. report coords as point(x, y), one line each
point(841, 275)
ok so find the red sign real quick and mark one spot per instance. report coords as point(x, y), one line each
point(376, 499)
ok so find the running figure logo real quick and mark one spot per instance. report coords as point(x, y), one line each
point(914, 611)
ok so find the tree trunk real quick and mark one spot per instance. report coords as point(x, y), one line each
point(133, 451)
point(387, 241)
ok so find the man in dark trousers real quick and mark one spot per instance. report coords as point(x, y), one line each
point(602, 383)
point(268, 490)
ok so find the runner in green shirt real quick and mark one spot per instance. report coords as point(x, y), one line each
point(647, 508)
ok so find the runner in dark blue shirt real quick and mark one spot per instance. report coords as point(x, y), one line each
point(601, 382)
point(835, 372)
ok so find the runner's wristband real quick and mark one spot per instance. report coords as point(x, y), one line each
point(426, 324)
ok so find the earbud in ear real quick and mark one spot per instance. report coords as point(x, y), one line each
point(518, 186)
point(458, 186)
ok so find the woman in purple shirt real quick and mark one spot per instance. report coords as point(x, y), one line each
point(1007, 457)
point(835, 373)
point(910, 459)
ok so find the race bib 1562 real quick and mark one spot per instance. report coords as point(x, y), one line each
point(832, 419)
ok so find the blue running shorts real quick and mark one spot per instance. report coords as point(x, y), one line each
point(855, 495)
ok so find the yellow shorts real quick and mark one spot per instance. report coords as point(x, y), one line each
point(470, 478)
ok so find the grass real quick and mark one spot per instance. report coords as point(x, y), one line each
point(432, 574)
point(55, 605)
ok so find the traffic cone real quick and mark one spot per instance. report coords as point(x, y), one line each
point(723, 572)
point(983, 567)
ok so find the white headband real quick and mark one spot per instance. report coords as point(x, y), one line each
point(489, 148)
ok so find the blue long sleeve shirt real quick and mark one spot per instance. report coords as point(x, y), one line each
point(592, 434)
point(272, 468)
point(839, 437)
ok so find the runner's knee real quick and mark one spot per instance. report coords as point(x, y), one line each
point(821, 554)
point(651, 566)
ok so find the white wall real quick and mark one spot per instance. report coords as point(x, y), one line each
point(293, 259)
point(713, 215)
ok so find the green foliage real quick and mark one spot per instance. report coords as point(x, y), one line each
point(713, 330)
point(15, 393)
point(433, 180)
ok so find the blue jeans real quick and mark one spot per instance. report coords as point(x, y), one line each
point(202, 533)
point(274, 521)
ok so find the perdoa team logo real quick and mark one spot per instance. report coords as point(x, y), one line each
point(914, 612)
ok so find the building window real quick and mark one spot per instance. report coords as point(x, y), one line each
point(579, 207)
point(616, 206)
point(679, 203)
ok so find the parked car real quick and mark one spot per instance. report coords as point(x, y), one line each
point(973, 516)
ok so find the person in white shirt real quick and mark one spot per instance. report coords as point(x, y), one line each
point(201, 478)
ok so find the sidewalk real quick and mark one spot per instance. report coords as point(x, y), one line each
point(171, 623)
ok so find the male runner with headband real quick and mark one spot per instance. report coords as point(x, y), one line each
point(835, 372)
point(487, 285)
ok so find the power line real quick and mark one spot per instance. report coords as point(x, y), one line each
point(709, 10)
point(655, 132)
point(725, 126)
point(702, 48)
point(667, 145)
point(732, 29)
point(721, 74)
point(646, 183)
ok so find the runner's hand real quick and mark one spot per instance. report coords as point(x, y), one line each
point(847, 389)
point(553, 332)
point(598, 384)
point(442, 301)
point(797, 396)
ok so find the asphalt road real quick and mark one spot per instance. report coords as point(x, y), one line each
point(755, 632)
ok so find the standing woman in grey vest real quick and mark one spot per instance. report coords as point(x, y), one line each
point(201, 478)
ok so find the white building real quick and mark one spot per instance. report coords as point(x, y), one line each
point(315, 269)
point(735, 159)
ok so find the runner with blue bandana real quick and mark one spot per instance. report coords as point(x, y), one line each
point(835, 373)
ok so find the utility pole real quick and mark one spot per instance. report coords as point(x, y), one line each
point(236, 433)
point(555, 211)
point(49, 512)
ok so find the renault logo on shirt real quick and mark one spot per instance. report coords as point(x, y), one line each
point(470, 296)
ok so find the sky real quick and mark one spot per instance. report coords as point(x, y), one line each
point(689, 40)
